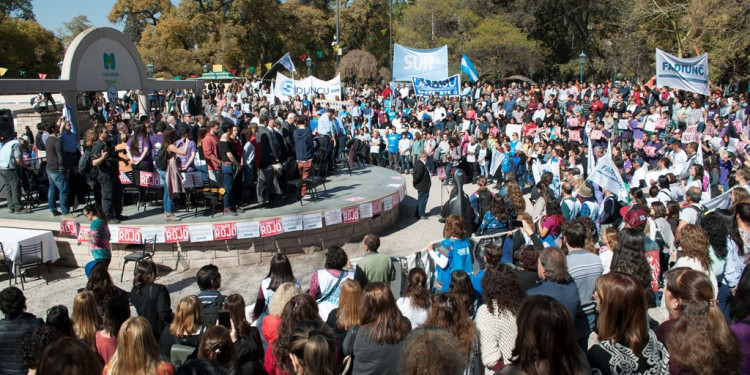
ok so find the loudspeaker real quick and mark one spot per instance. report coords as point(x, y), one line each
point(6, 125)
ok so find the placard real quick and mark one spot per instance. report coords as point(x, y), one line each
point(514, 128)
point(574, 136)
point(622, 124)
point(691, 135)
point(149, 233)
point(650, 150)
point(365, 210)
point(271, 227)
point(638, 143)
point(68, 227)
point(176, 233)
point(312, 221)
point(149, 179)
point(128, 235)
point(388, 203)
point(124, 179)
point(377, 207)
point(291, 223)
point(596, 135)
point(201, 233)
point(225, 231)
point(248, 229)
point(192, 180)
point(650, 124)
point(114, 233)
point(350, 214)
point(333, 217)
point(84, 233)
point(661, 123)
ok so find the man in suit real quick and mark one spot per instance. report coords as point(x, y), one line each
point(287, 129)
point(422, 184)
point(268, 148)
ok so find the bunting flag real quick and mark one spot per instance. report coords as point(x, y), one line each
point(193, 76)
point(177, 78)
point(251, 69)
point(383, 31)
point(23, 72)
point(335, 48)
point(320, 54)
point(287, 62)
point(267, 65)
point(42, 75)
point(302, 58)
point(2, 71)
point(234, 72)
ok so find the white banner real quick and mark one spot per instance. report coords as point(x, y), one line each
point(286, 87)
point(608, 177)
point(497, 159)
point(425, 63)
point(690, 74)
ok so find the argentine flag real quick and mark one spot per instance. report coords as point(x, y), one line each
point(468, 68)
point(286, 61)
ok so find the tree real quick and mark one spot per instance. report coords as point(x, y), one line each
point(22, 9)
point(137, 14)
point(72, 28)
point(26, 45)
point(358, 66)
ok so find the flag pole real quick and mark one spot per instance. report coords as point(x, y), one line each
point(268, 71)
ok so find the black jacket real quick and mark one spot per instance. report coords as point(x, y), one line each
point(422, 179)
point(153, 303)
point(267, 152)
point(10, 332)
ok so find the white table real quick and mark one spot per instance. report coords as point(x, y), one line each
point(13, 238)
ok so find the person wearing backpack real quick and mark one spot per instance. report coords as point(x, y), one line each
point(692, 212)
point(104, 161)
point(209, 282)
point(481, 200)
point(11, 165)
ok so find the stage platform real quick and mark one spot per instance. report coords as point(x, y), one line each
point(365, 201)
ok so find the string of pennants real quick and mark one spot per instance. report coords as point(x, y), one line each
point(123, 234)
point(22, 73)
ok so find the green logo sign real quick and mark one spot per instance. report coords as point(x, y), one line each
point(109, 61)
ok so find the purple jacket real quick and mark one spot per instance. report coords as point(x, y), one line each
point(741, 330)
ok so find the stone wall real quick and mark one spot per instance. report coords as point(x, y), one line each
point(234, 252)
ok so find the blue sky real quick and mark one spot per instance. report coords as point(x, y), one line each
point(52, 13)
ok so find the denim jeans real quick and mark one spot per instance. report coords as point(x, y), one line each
point(405, 160)
point(168, 208)
point(484, 171)
point(58, 182)
point(228, 186)
point(422, 203)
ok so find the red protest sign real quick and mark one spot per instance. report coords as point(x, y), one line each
point(351, 214)
point(225, 231)
point(377, 207)
point(271, 227)
point(575, 136)
point(68, 228)
point(149, 179)
point(638, 143)
point(176, 233)
point(84, 232)
point(129, 235)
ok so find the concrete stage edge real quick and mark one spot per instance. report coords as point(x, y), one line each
point(371, 189)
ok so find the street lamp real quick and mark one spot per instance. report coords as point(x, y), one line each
point(205, 68)
point(308, 62)
point(582, 62)
point(60, 64)
point(150, 70)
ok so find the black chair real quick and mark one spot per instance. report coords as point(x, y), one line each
point(8, 264)
point(138, 255)
point(29, 256)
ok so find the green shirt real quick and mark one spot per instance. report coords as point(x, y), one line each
point(374, 267)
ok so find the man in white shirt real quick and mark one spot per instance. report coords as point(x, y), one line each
point(639, 175)
point(403, 92)
point(539, 114)
point(678, 157)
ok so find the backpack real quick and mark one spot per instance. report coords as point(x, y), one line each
point(38, 141)
point(484, 201)
point(210, 313)
point(699, 210)
point(161, 159)
point(85, 166)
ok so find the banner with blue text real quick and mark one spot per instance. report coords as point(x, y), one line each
point(689, 74)
point(449, 86)
point(424, 63)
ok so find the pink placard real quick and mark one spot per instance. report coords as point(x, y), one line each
point(176, 233)
point(68, 227)
point(84, 232)
point(271, 227)
point(225, 231)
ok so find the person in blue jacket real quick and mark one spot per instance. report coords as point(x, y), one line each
point(392, 147)
point(453, 253)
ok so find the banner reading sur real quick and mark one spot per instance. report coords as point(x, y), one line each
point(425, 63)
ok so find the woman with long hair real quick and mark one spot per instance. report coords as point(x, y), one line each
point(550, 226)
point(742, 215)
point(216, 346)
point(697, 336)
point(186, 328)
point(325, 284)
point(349, 312)
point(416, 300)
point(99, 235)
point(453, 252)
point(514, 196)
point(695, 253)
point(68, 356)
point(740, 314)
point(86, 320)
point(726, 252)
point(625, 341)
point(115, 315)
point(270, 330)
point(101, 285)
point(543, 195)
point(312, 349)
point(248, 346)
point(279, 272)
point(463, 291)
point(139, 151)
point(497, 218)
point(300, 308)
point(137, 351)
point(447, 313)
point(496, 319)
point(151, 300)
point(548, 345)
point(376, 344)
point(630, 258)
point(170, 177)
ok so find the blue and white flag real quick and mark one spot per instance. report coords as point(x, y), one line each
point(689, 74)
point(608, 177)
point(287, 62)
point(468, 68)
point(449, 86)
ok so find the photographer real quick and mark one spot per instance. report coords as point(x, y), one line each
point(105, 160)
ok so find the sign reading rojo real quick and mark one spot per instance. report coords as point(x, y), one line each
point(150, 179)
point(225, 231)
point(271, 227)
point(351, 214)
point(84, 233)
point(129, 235)
point(176, 233)
point(68, 227)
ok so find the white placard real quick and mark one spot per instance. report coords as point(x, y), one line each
point(201, 233)
point(622, 124)
point(312, 221)
point(514, 128)
point(149, 233)
point(387, 203)
point(248, 229)
point(114, 235)
point(365, 210)
point(333, 217)
point(291, 223)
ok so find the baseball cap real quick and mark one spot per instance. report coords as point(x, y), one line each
point(634, 218)
point(639, 161)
